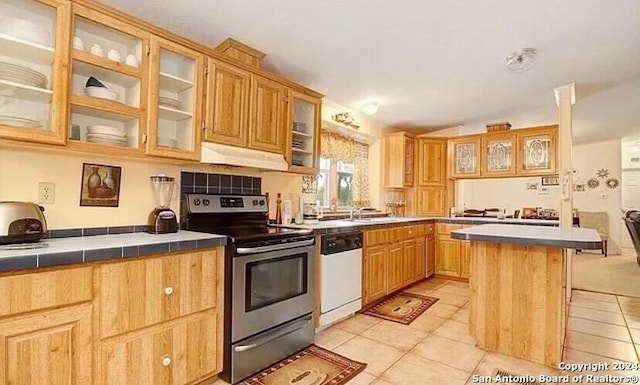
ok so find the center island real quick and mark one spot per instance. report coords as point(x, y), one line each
point(518, 287)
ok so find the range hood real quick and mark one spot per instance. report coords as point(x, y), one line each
point(235, 156)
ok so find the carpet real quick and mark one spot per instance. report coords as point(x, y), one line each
point(402, 308)
point(616, 274)
point(311, 366)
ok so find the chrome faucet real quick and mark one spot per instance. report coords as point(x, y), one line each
point(357, 211)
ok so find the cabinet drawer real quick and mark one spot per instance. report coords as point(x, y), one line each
point(178, 353)
point(375, 237)
point(42, 290)
point(395, 234)
point(420, 230)
point(148, 291)
point(409, 232)
point(428, 228)
point(446, 228)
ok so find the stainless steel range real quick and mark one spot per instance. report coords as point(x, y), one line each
point(269, 288)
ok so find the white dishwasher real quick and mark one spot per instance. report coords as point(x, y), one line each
point(340, 276)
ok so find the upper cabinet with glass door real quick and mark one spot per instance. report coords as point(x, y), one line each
point(33, 65)
point(175, 103)
point(465, 157)
point(108, 83)
point(499, 154)
point(303, 145)
point(537, 151)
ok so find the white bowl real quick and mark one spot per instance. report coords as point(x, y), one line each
point(25, 30)
point(101, 92)
point(106, 130)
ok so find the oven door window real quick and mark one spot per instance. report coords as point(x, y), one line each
point(275, 280)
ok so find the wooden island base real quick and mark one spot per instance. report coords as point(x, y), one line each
point(518, 300)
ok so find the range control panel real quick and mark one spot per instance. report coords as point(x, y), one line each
point(206, 203)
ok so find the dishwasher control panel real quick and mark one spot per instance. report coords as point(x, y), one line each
point(337, 243)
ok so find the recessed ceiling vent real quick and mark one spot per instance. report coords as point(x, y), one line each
point(521, 60)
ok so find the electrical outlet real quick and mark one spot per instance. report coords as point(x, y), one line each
point(46, 192)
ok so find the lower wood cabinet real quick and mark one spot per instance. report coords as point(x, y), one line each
point(452, 255)
point(63, 331)
point(47, 347)
point(430, 241)
point(394, 258)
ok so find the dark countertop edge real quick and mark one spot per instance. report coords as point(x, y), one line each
point(109, 254)
point(563, 244)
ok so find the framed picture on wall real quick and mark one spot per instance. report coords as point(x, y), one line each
point(100, 185)
point(551, 180)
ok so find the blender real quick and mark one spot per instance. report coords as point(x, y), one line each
point(162, 219)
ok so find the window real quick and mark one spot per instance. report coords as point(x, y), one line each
point(323, 182)
point(335, 183)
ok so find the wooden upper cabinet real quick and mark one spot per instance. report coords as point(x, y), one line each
point(432, 162)
point(537, 151)
point(464, 157)
point(431, 201)
point(267, 130)
point(227, 105)
point(399, 152)
point(34, 104)
point(303, 133)
point(499, 154)
point(175, 101)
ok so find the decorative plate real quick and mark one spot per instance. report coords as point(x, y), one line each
point(593, 183)
point(612, 183)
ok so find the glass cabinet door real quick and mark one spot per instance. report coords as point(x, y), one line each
point(537, 152)
point(304, 139)
point(499, 157)
point(108, 87)
point(408, 161)
point(466, 157)
point(175, 113)
point(33, 69)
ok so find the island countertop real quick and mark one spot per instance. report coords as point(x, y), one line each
point(561, 237)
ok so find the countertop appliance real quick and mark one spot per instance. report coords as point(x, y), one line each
point(269, 281)
point(340, 276)
point(162, 219)
point(21, 222)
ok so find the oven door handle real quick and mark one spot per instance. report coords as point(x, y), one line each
point(283, 246)
point(277, 334)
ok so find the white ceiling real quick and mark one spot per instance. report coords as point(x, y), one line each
point(435, 64)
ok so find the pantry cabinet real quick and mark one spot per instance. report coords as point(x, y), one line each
point(432, 162)
point(227, 105)
point(431, 201)
point(34, 62)
point(399, 154)
point(176, 101)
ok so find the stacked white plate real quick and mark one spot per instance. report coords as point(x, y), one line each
point(19, 122)
point(25, 30)
point(23, 75)
point(106, 135)
point(170, 102)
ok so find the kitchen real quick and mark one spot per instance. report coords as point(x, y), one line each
point(63, 165)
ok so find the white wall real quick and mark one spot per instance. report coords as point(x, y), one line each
point(587, 160)
point(508, 193)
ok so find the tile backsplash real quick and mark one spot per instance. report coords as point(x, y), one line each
point(203, 183)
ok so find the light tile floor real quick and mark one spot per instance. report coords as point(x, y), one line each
point(437, 348)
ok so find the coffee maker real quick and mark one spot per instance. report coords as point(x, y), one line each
point(162, 219)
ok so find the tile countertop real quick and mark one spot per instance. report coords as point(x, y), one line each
point(62, 251)
point(341, 225)
point(562, 237)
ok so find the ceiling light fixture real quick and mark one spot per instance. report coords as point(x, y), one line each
point(521, 60)
point(370, 108)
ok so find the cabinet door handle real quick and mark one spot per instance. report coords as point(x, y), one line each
point(168, 290)
point(166, 361)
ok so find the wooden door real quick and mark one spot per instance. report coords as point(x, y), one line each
point(537, 149)
point(409, 156)
point(465, 157)
point(149, 291)
point(374, 273)
point(432, 162)
point(266, 127)
point(179, 352)
point(431, 255)
point(48, 347)
point(465, 258)
point(227, 105)
point(498, 154)
point(175, 101)
point(394, 266)
point(420, 271)
point(448, 256)
point(431, 201)
point(408, 261)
